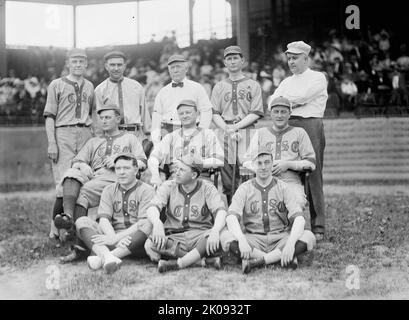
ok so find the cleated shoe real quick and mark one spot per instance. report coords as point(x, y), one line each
point(167, 265)
point(248, 264)
point(214, 262)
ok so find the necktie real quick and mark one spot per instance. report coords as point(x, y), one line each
point(179, 84)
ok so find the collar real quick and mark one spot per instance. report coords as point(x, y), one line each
point(115, 136)
point(183, 81)
point(116, 81)
point(191, 193)
point(228, 80)
point(73, 83)
point(267, 187)
point(280, 133)
point(132, 188)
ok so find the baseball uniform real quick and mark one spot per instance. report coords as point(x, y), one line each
point(93, 154)
point(168, 99)
point(70, 105)
point(129, 95)
point(189, 216)
point(267, 214)
point(233, 101)
point(291, 144)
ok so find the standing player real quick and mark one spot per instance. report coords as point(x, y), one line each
point(195, 215)
point(272, 219)
point(126, 93)
point(123, 228)
point(164, 116)
point(290, 146)
point(67, 111)
point(307, 91)
point(237, 105)
point(93, 170)
point(189, 140)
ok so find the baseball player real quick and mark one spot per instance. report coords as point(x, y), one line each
point(195, 216)
point(123, 228)
point(164, 116)
point(93, 169)
point(290, 146)
point(237, 105)
point(190, 139)
point(67, 113)
point(307, 91)
point(272, 219)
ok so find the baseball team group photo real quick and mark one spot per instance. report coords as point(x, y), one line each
point(234, 150)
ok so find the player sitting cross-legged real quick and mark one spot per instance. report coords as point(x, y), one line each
point(93, 170)
point(272, 219)
point(195, 215)
point(290, 146)
point(123, 228)
point(190, 139)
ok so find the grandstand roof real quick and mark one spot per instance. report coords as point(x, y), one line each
point(79, 2)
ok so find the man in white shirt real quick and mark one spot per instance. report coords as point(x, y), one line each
point(126, 93)
point(164, 117)
point(307, 91)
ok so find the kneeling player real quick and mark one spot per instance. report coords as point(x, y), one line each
point(123, 228)
point(188, 233)
point(272, 219)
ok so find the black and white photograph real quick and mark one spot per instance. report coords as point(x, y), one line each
point(211, 152)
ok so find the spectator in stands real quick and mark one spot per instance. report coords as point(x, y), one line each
point(349, 92)
point(399, 92)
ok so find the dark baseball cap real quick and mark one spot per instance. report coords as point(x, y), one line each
point(125, 155)
point(187, 103)
point(176, 58)
point(114, 54)
point(109, 106)
point(232, 50)
point(76, 52)
point(193, 162)
point(280, 101)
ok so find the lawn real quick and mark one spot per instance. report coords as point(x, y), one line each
point(366, 230)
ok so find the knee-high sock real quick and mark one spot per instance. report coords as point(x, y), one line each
point(189, 258)
point(79, 212)
point(58, 207)
point(272, 256)
point(300, 247)
point(86, 235)
point(121, 252)
point(234, 248)
point(71, 190)
point(136, 247)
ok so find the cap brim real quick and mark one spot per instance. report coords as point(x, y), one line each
point(294, 51)
point(232, 52)
point(178, 60)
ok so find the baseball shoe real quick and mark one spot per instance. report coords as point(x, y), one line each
point(94, 262)
point(111, 264)
point(306, 259)
point(167, 265)
point(214, 262)
point(319, 236)
point(293, 264)
point(63, 221)
point(248, 264)
point(77, 253)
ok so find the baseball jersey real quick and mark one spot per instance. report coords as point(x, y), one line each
point(185, 211)
point(169, 97)
point(202, 143)
point(124, 208)
point(234, 100)
point(308, 88)
point(129, 96)
point(291, 144)
point(97, 148)
point(270, 209)
point(69, 103)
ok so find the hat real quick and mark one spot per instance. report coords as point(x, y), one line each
point(76, 52)
point(298, 47)
point(187, 103)
point(262, 151)
point(176, 58)
point(114, 54)
point(109, 106)
point(232, 50)
point(125, 155)
point(193, 162)
point(280, 101)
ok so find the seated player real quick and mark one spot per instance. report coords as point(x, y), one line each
point(195, 215)
point(190, 139)
point(123, 228)
point(291, 148)
point(272, 219)
point(93, 169)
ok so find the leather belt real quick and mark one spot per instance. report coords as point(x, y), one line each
point(133, 127)
point(78, 125)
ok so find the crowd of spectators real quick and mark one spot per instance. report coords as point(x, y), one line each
point(359, 72)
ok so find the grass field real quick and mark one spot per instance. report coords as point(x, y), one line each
point(366, 227)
